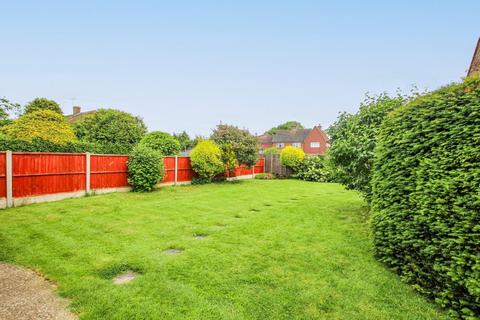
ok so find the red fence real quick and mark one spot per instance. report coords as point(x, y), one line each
point(36, 174)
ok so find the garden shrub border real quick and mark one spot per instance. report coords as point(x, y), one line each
point(426, 199)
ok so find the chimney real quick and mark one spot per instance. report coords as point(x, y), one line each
point(76, 110)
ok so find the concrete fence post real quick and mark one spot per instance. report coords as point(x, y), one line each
point(176, 170)
point(9, 178)
point(87, 173)
point(253, 170)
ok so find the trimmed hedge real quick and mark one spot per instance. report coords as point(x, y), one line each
point(145, 168)
point(164, 142)
point(292, 157)
point(39, 145)
point(206, 160)
point(426, 196)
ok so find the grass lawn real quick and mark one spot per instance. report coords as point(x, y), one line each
point(280, 249)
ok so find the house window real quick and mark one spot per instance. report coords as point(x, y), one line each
point(297, 144)
point(280, 145)
point(314, 144)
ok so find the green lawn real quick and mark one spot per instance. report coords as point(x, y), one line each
point(280, 249)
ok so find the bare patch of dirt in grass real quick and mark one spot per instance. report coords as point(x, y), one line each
point(125, 277)
point(26, 295)
point(173, 251)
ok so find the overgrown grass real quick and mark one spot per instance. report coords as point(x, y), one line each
point(279, 249)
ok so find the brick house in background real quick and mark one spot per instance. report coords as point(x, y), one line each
point(78, 115)
point(475, 64)
point(312, 141)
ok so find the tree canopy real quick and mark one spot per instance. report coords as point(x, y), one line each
point(289, 125)
point(353, 138)
point(111, 127)
point(186, 142)
point(42, 104)
point(163, 142)
point(243, 144)
point(46, 125)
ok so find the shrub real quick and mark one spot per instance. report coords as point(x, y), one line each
point(291, 157)
point(111, 127)
point(312, 168)
point(271, 150)
point(426, 200)
point(242, 142)
point(145, 168)
point(265, 176)
point(41, 104)
point(43, 124)
point(161, 141)
point(353, 138)
point(206, 160)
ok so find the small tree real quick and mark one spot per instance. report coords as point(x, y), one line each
point(8, 108)
point(206, 160)
point(292, 157)
point(242, 142)
point(42, 104)
point(111, 127)
point(161, 141)
point(145, 168)
point(43, 124)
point(185, 142)
point(353, 138)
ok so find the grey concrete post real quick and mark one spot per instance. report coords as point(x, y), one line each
point(176, 170)
point(87, 173)
point(9, 178)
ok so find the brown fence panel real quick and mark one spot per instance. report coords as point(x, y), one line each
point(274, 165)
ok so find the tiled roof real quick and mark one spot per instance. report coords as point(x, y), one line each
point(265, 139)
point(475, 64)
point(289, 136)
point(72, 118)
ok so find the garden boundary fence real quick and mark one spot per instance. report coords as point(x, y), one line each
point(30, 177)
point(273, 164)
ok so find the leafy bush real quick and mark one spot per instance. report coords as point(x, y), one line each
point(265, 176)
point(353, 138)
point(426, 199)
point(228, 158)
point(291, 157)
point(206, 160)
point(41, 104)
point(271, 150)
point(111, 127)
point(242, 142)
point(312, 168)
point(43, 124)
point(161, 141)
point(145, 168)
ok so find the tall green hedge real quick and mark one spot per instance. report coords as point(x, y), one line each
point(426, 196)
point(39, 145)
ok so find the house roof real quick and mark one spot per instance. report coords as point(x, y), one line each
point(289, 136)
point(265, 139)
point(72, 118)
point(475, 64)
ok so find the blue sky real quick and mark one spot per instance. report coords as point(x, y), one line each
point(187, 65)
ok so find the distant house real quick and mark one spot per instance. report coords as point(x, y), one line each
point(78, 115)
point(312, 141)
point(475, 64)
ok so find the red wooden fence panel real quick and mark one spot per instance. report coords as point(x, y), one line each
point(47, 173)
point(42, 173)
point(108, 171)
point(3, 164)
point(169, 169)
point(184, 170)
